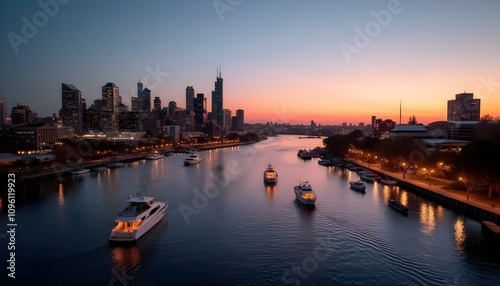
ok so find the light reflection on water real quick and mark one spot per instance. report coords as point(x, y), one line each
point(460, 235)
point(249, 233)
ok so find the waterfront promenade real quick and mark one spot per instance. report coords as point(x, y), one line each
point(477, 199)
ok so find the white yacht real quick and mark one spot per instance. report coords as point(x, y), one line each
point(154, 156)
point(140, 216)
point(368, 176)
point(305, 194)
point(79, 171)
point(270, 175)
point(193, 159)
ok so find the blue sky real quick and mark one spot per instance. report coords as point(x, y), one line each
point(281, 60)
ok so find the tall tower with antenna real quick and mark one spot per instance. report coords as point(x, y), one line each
point(217, 100)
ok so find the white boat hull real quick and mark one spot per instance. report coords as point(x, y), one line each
point(148, 224)
point(302, 200)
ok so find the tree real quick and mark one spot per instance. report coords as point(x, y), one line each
point(479, 161)
point(337, 144)
point(412, 120)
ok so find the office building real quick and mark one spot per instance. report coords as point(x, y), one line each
point(464, 108)
point(217, 101)
point(146, 100)
point(71, 112)
point(189, 98)
point(240, 119)
point(3, 111)
point(110, 106)
point(200, 111)
point(21, 115)
point(157, 104)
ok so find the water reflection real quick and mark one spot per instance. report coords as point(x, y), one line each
point(270, 190)
point(306, 211)
point(126, 263)
point(403, 198)
point(427, 218)
point(459, 234)
point(60, 197)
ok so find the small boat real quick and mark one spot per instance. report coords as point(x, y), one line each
point(168, 153)
point(154, 156)
point(79, 171)
point(270, 175)
point(99, 169)
point(325, 162)
point(193, 159)
point(116, 165)
point(140, 216)
point(358, 185)
point(368, 176)
point(304, 154)
point(398, 206)
point(388, 182)
point(305, 194)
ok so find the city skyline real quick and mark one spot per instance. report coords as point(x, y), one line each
point(286, 62)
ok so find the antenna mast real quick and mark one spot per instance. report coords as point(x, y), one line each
point(399, 111)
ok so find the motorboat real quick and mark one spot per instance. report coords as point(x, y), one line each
point(140, 216)
point(325, 162)
point(388, 182)
point(304, 154)
point(270, 175)
point(368, 176)
point(79, 171)
point(168, 153)
point(193, 159)
point(358, 185)
point(398, 206)
point(305, 194)
point(154, 156)
point(99, 169)
point(116, 164)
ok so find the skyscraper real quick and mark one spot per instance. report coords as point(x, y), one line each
point(200, 111)
point(71, 112)
point(464, 108)
point(139, 90)
point(146, 100)
point(157, 104)
point(227, 118)
point(3, 110)
point(21, 115)
point(217, 101)
point(110, 106)
point(240, 119)
point(189, 98)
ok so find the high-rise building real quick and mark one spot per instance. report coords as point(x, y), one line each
point(200, 111)
point(136, 104)
point(464, 108)
point(110, 106)
point(71, 112)
point(139, 90)
point(146, 100)
point(217, 101)
point(240, 119)
point(172, 105)
point(189, 98)
point(227, 118)
point(21, 115)
point(157, 104)
point(3, 111)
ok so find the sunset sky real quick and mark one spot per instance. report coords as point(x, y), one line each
point(282, 61)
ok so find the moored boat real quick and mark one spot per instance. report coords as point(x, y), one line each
point(305, 194)
point(270, 175)
point(140, 216)
point(358, 185)
point(99, 169)
point(154, 156)
point(388, 182)
point(79, 171)
point(398, 206)
point(116, 164)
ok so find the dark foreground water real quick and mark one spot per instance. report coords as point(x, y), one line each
point(225, 227)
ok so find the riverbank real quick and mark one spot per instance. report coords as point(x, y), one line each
point(59, 169)
point(478, 206)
